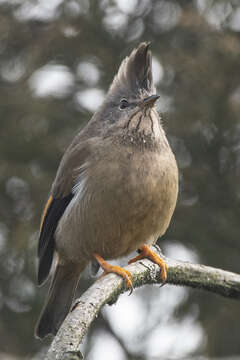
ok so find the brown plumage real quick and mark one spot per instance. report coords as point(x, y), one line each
point(115, 189)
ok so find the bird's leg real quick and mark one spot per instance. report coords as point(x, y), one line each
point(146, 252)
point(108, 268)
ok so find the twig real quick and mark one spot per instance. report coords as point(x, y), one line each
point(107, 289)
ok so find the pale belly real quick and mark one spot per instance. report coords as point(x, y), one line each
point(119, 209)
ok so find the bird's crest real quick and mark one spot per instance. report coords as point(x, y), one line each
point(135, 72)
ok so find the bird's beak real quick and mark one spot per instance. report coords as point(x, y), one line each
point(150, 100)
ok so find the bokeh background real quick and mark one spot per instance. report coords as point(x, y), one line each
point(57, 59)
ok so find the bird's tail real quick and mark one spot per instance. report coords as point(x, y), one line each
point(59, 299)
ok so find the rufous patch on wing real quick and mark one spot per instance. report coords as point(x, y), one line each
point(50, 199)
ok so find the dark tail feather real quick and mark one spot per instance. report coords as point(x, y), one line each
point(59, 300)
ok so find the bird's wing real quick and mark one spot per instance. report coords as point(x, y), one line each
point(53, 211)
point(61, 196)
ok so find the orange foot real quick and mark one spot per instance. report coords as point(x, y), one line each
point(108, 268)
point(146, 252)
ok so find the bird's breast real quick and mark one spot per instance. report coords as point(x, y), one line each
point(124, 198)
point(139, 179)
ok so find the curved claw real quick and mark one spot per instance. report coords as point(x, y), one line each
point(146, 252)
point(108, 268)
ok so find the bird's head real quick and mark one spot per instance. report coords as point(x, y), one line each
point(130, 101)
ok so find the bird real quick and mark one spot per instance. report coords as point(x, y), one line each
point(115, 191)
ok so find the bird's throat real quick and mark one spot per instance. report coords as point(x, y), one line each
point(144, 129)
point(147, 122)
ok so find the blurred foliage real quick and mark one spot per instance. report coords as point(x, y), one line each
point(57, 58)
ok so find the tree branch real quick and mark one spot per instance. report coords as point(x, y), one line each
point(107, 289)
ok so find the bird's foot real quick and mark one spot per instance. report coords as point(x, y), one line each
point(146, 252)
point(108, 268)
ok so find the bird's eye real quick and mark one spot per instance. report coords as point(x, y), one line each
point(123, 104)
